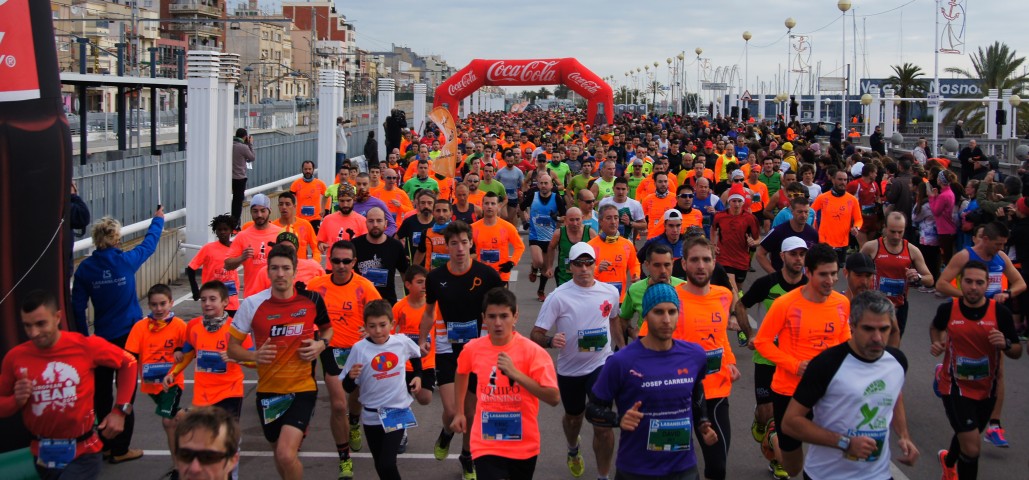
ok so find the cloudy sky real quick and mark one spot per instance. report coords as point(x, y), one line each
point(613, 36)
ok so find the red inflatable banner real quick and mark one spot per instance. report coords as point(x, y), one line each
point(548, 71)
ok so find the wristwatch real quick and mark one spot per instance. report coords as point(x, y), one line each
point(843, 443)
point(123, 408)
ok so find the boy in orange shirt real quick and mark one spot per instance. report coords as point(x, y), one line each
point(408, 313)
point(493, 238)
point(154, 341)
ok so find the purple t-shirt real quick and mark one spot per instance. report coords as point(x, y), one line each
point(663, 382)
point(368, 203)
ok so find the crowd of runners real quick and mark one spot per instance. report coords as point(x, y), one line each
point(393, 283)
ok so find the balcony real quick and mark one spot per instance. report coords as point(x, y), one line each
point(193, 7)
point(196, 29)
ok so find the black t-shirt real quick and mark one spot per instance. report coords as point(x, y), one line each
point(764, 288)
point(772, 243)
point(1005, 323)
point(412, 230)
point(459, 297)
point(380, 262)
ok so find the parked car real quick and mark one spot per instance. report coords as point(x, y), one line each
point(267, 101)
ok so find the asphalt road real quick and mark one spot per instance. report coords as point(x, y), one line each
point(926, 419)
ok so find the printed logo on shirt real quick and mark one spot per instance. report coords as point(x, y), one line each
point(494, 392)
point(56, 389)
point(288, 330)
point(384, 361)
point(605, 308)
point(299, 313)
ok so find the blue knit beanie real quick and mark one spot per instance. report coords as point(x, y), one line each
point(659, 293)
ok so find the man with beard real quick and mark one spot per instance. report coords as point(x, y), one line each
point(309, 192)
point(345, 224)
point(897, 264)
point(380, 256)
point(396, 199)
point(798, 326)
point(494, 239)
point(656, 204)
point(544, 211)
point(648, 185)
point(364, 202)
point(768, 250)
point(660, 265)
point(733, 232)
point(413, 227)
point(432, 250)
point(573, 231)
point(250, 247)
point(839, 215)
point(616, 255)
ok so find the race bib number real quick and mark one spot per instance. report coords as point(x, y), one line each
point(439, 259)
point(56, 454)
point(378, 276)
point(543, 221)
point(994, 286)
point(892, 287)
point(714, 361)
point(307, 211)
point(340, 355)
point(489, 256)
point(394, 419)
point(972, 368)
point(878, 435)
point(617, 285)
point(416, 238)
point(231, 286)
point(155, 372)
point(502, 426)
point(462, 332)
point(210, 361)
point(274, 407)
point(592, 340)
point(672, 435)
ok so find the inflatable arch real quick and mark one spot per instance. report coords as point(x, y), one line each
point(548, 71)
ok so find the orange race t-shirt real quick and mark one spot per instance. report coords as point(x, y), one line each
point(654, 209)
point(396, 200)
point(345, 304)
point(213, 379)
point(506, 415)
point(305, 233)
point(309, 198)
point(156, 351)
point(838, 215)
point(306, 270)
point(492, 244)
point(622, 255)
point(210, 260)
point(408, 322)
point(257, 240)
point(647, 187)
point(803, 329)
point(339, 227)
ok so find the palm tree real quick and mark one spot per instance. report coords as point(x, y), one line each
point(996, 67)
point(906, 83)
point(655, 88)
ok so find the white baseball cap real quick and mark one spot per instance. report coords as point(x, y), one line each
point(672, 214)
point(580, 249)
point(793, 243)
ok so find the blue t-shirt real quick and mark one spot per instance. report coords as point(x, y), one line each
point(663, 382)
point(708, 217)
point(786, 215)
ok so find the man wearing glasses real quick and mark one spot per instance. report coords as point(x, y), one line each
point(206, 444)
point(396, 200)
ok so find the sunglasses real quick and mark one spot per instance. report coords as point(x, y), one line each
point(390, 178)
point(582, 263)
point(685, 195)
point(344, 261)
point(737, 180)
point(588, 201)
point(205, 457)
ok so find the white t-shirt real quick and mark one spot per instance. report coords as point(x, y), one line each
point(583, 315)
point(813, 191)
point(383, 379)
point(635, 208)
point(341, 140)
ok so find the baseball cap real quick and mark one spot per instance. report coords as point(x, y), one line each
point(261, 200)
point(286, 237)
point(672, 214)
point(860, 263)
point(709, 144)
point(580, 249)
point(792, 243)
point(738, 174)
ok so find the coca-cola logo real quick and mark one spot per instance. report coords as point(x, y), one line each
point(588, 85)
point(538, 71)
point(466, 81)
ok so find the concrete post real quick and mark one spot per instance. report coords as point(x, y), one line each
point(466, 106)
point(991, 114)
point(475, 101)
point(760, 105)
point(888, 127)
point(328, 103)
point(875, 108)
point(1006, 131)
point(227, 78)
point(420, 90)
point(817, 110)
point(387, 90)
point(202, 145)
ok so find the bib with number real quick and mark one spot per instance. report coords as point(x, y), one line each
point(543, 221)
point(155, 372)
point(307, 211)
point(462, 332)
point(892, 287)
point(416, 238)
point(972, 368)
point(394, 419)
point(714, 361)
point(272, 408)
point(439, 259)
point(231, 286)
point(592, 340)
point(489, 256)
point(673, 435)
point(210, 361)
point(341, 355)
point(502, 426)
point(378, 276)
point(879, 436)
point(617, 285)
point(56, 454)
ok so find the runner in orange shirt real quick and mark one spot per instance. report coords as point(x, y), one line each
point(306, 270)
point(648, 185)
point(396, 199)
point(839, 215)
point(494, 238)
point(432, 249)
point(656, 204)
point(305, 231)
point(211, 261)
point(474, 194)
point(408, 313)
point(309, 192)
point(346, 224)
point(250, 247)
point(617, 264)
point(345, 294)
point(798, 326)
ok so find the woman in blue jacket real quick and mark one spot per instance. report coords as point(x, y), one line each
point(108, 279)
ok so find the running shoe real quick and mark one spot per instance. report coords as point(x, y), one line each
point(576, 464)
point(936, 380)
point(949, 473)
point(355, 438)
point(346, 468)
point(778, 471)
point(540, 296)
point(442, 447)
point(467, 467)
point(995, 436)
point(129, 455)
point(403, 443)
point(533, 275)
point(758, 430)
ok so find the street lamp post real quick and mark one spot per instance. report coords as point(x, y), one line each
point(698, 50)
point(746, 70)
point(845, 5)
point(680, 105)
point(653, 86)
point(671, 86)
point(248, 70)
point(790, 23)
point(1015, 101)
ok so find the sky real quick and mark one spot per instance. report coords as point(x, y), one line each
point(611, 37)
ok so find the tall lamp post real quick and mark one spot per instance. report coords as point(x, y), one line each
point(250, 96)
point(790, 23)
point(680, 105)
point(845, 5)
point(671, 86)
point(698, 50)
point(1015, 101)
point(653, 86)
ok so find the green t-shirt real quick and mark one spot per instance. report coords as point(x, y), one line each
point(495, 187)
point(633, 302)
point(634, 183)
point(562, 171)
point(578, 182)
point(414, 184)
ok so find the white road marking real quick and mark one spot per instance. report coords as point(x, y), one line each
point(247, 453)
